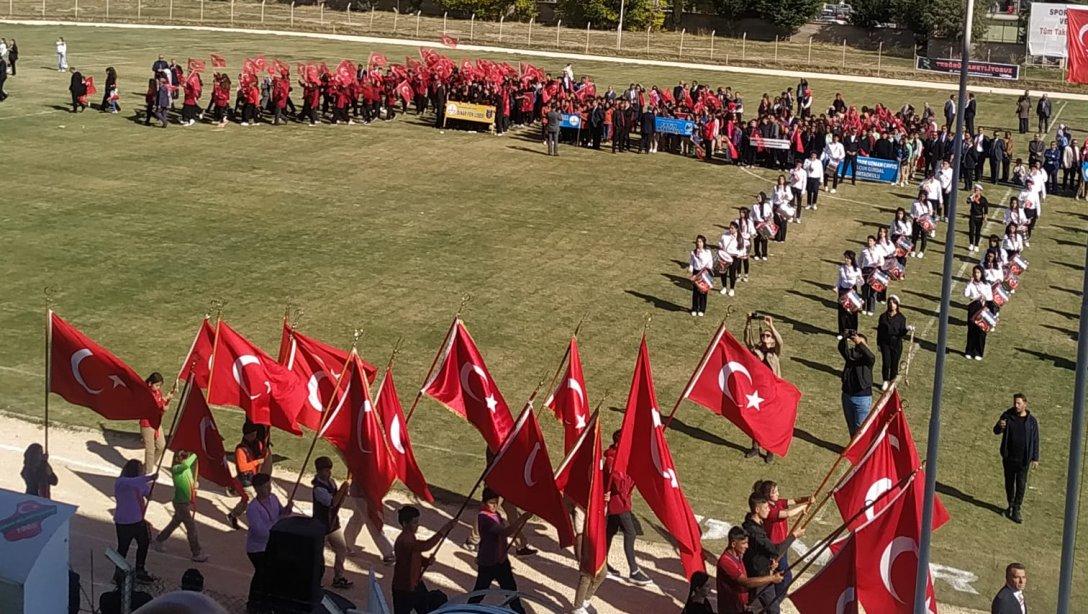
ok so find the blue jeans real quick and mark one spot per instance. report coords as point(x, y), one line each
point(784, 569)
point(855, 409)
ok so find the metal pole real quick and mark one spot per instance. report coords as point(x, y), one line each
point(172, 9)
point(321, 12)
point(530, 42)
point(502, 18)
point(292, 12)
point(348, 12)
point(262, 11)
point(232, 12)
point(776, 48)
point(922, 572)
point(680, 52)
point(1076, 458)
point(647, 39)
point(371, 26)
point(879, 56)
point(587, 38)
point(472, 27)
point(396, 17)
point(444, 16)
point(619, 28)
point(712, 32)
point(844, 53)
point(417, 23)
point(139, 8)
point(810, 50)
point(76, 8)
point(743, 45)
point(43, 8)
point(558, 25)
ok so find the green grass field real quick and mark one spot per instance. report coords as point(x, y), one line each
point(385, 227)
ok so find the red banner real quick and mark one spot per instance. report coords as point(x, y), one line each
point(1075, 32)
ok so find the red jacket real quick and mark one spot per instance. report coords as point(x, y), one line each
point(620, 485)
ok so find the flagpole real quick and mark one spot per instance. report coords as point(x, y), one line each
point(173, 431)
point(215, 344)
point(388, 367)
point(699, 369)
point(437, 356)
point(934, 438)
point(522, 418)
point(324, 419)
point(566, 357)
point(48, 362)
point(808, 515)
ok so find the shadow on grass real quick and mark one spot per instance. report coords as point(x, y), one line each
point(1072, 334)
point(1065, 314)
point(826, 302)
point(819, 285)
point(969, 499)
point(658, 303)
point(703, 435)
point(535, 151)
point(808, 437)
point(819, 366)
point(1059, 361)
point(1072, 229)
point(1075, 293)
point(802, 327)
point(1069, 243)
point(1075, 267)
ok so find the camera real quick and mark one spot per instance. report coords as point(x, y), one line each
point(849, 333)
point(756, 315)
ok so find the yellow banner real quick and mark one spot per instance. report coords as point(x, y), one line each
point(466, 111)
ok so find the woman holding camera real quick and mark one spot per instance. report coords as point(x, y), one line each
point(768, 349)
point(981, 295)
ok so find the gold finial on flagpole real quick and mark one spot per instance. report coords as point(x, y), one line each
point(50, 296)
point(465, 298)
point(580, 322)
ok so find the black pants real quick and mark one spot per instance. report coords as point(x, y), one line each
point(812, 188)
point(136, 531)
point(889, 360)
point(847, 320)
point(1016, 482)
point(976, 337)
point(783, 224)
point(420, 600)
point(797, 201)
point(501, 573)
point(852, 162)
point(1023, 125)
point(1069, 179)
point(974, 230)
point(994, 164)
point(189, 112)
point(150, 113)
point(833, 175)
point(698, 300)
point(868, 295)
point(729, 277)
point(12, 64)
point(759, 246)
point(624, 522)
point(919, 237)
point(249, 113)
point(1005, 170)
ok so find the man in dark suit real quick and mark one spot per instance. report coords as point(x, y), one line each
point(969, 111)
point(998, 154)
point(1019, 432)
point(950, 111)
point(1010, 599)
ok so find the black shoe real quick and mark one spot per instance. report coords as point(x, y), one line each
point(1016, 516)
point(768, 458)
point(233, 521)
point(1007, 513)
point(525, 551)
point(752, 453)
point(145, 578)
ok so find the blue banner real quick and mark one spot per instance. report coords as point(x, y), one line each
point(571, 121)
point(874, 169)
point(668, 125)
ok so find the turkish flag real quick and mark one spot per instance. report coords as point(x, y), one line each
point(570, 401)
point(377, 59)
point(449, 41)
point(463, 384)
point(1076, 28)
point(732, 382)
point(197, 433)
point(89, 84)
point(400, 446)
point(198, 361)
point(196, 65)
point(246, 377)
point(582, 481)
point(404, 90)
point(319, 365)
point(832, 589)
point(346, 71)
point(85, 373)
point(355, 431)
point(887, 554)
point(643, 453)
point(872, 428)
point(892, 457)
point(250, 67)
point(218, 61)
point(522, 473)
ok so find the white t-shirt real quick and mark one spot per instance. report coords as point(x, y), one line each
point(798, 177)
point(62, 47)
point(814, 169)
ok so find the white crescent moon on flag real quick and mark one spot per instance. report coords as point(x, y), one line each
point(240, 364)
point(335, 412)
point(315, 395)
point(468, 369)
point(729, 369)
point(573, 384)
point(1080, 33)
point(527, 471)
point(845, 598)
point(898, 546)
point(359, 426)
point(394, 435)
point(876, 489)
point(77, 358)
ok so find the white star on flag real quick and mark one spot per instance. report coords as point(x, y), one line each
point(581, 422)
point(754, 400)
point(116, 379)
point(491, 403)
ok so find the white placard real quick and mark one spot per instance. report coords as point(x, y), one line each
point(1046, 29)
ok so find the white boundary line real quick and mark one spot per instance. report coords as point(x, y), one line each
point(770, 72)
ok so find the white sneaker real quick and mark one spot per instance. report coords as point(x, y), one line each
point(693, 314)
point(702, 314)
point(814, 207)
point(1027, 243)
point(932, 234)
point(884, 386)
point(245, 123)
point(838, 337)
point(580, 610)
point(921, 254)
point(731, 293)
point(832, 190)
point(978, 358)
point(968, 357)
point(724, 291)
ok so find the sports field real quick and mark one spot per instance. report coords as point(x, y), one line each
point(385, 228)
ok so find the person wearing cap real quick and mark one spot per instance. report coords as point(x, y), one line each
point(492, 560)
point(249, 457)
point(327, 498)
point(409, 592)
point(265, 511)
point(890, 330)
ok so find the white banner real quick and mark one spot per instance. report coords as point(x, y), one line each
point(1046, 29)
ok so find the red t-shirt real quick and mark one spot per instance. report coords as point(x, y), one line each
point(159, 402)
point(732, 596)
point(776, 524)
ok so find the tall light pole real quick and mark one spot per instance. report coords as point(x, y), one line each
point(921, 579)
point(619, 28)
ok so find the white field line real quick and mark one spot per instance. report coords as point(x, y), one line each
point(377, 40)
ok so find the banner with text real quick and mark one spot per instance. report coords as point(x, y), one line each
point(875, 169)
point(572, 121)
point(669, 125)
point(1046, 30)
point(466, 111)
point(992, 70)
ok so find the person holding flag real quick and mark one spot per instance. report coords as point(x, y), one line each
point(620, 518)
point(777, 524)
point(154, 441)
point(249, 457)
point(492, 560)
point(184, 474)
point(327, 498)
point(410, 594)
point(768, 349)
point(733, 583)
point(761, 558)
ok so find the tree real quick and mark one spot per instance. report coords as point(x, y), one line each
point(638, 14)
point(871, 13)
point(787, 15)
point(730, 9)
point(944, 20)
point(493, 9)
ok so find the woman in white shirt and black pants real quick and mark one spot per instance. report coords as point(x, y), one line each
point(849, 278)
point(729, 252)
point(700, 266)
point(871, 259)
point(901, 227)
point(762, 212)
point(747, 230)
point(785, 206)
point(920, 208)
point(814, 170)
point(981, 295)
point(1012, 243)
point(798, 181)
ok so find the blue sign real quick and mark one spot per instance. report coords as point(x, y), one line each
point(874, 169)
point(668, 125)
point(571, 121)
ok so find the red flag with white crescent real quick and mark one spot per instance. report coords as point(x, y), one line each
point(643, 453)
point(464, 385)
point(522, 474)
point(583, 482)
point(449, 41)
point(218, 61)
point(570, 401)
point(396, 434)
point(244, 376)
point(1076, 33)
point(355, 430)
point(318, 365)
point(735, 384)
point(196, 432)
point(196, 65)
point(84, 373)
point(377, 59)
point(832, 590)
point(198, 361)
point(873, 427)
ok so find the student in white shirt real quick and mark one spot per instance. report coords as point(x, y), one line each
point(1015, 214)
point(700, 265)
point(849, 278)
point(814, 169)
point(901, 228)
point(1032, 202)
point(981, 296)
point(1038, 180)
point(747, 230)
point(798, 182)
point(871, 259)
point(995, 248)
point(992, 269)
point(762, 213)
point(62, 55)
point(784, 211)
point(934, 192)
point(1012, 243)
point(834, 154)
point(920, 209)
point(729, 252)
point(944, 176)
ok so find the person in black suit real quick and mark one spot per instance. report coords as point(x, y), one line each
point(998, 157)
point(950, 111)
point(1019, 432)
point(1010, 599)
point(647, 128)
point(969, 111)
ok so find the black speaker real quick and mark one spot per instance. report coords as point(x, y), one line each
point(296, 563)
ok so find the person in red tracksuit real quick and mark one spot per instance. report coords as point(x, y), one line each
point(252, 96)
point(620, 517)
point(280, 90)
point(311, 98)
point(221, 98)
point(193, 87)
